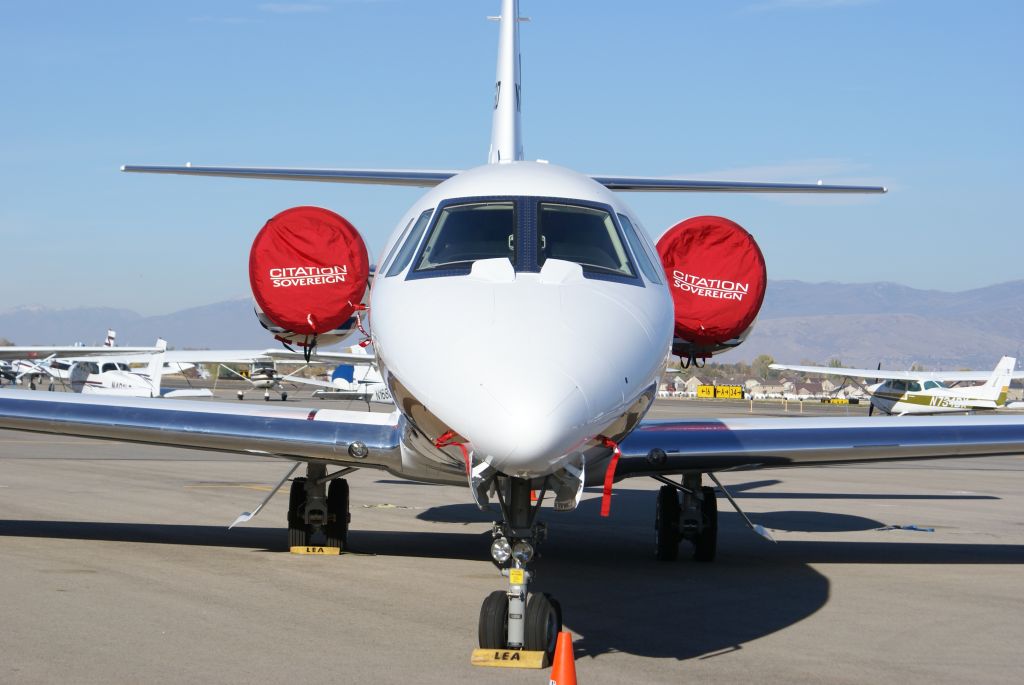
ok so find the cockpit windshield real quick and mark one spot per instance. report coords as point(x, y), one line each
point(584, 235)
point(466, 233)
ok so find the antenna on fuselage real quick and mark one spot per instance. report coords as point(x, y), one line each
point(506, 126)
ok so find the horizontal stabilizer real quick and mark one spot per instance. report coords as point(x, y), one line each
point(430, 178)
point(650, 184)
point(386, 177)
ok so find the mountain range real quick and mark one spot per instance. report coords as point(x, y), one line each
point(860, 324)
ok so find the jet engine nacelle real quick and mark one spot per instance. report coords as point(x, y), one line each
point(309, 271)
point(716, 274)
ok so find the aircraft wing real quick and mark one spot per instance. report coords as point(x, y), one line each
point(42, 352)
point(881, 374)
point(321, 357)
point(665, 447)
point(290, 433)
point(247, 357)
point(430, 178)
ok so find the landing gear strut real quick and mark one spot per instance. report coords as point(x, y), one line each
point(319, 502)
point(695, 519)
point(515, 618)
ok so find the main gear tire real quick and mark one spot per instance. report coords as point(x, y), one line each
point(298, 530)
point(666, 525)
point(337, 514)
point(705, 544)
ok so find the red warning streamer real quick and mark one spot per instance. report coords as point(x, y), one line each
point(445, 440)
point(609, 475)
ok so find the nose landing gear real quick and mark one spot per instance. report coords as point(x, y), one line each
point(515, 618)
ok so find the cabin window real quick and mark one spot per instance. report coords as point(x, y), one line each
point(640, 251)
point(412, 240)
point(466, 233)
point(914, 386)
point(585, 235)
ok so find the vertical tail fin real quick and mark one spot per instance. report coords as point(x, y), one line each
point(155, 368)
point(111, 340)
point(506, 126)
point(998, 385)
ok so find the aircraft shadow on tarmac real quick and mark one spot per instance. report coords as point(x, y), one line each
point(614, 594)
point(744, 490)
point(618, 598)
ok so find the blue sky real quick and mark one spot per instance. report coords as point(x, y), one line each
point(923, 96)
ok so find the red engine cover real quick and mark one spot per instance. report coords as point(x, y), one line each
point(308, 267)
point(717, 277)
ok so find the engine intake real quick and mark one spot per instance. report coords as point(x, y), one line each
point(309, 270)
point(717, 276)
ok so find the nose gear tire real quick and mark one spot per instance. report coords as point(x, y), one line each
point(493, 630)
point(543, 623)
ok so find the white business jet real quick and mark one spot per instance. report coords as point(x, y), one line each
point(525, 252)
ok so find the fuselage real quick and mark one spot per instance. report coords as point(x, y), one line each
point(931, 397)
point(539, 316)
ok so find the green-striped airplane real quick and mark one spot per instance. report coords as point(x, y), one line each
point(926, 392)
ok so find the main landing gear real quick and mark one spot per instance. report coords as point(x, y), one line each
point(694, 519)
point(319, 502)
point(266, 395)
point(516, 618)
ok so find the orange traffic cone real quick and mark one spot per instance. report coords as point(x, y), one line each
point(563, 670)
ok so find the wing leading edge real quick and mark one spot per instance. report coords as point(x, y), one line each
point(291, 433)
point(703, 445)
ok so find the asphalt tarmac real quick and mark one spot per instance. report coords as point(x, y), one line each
point(116, 566)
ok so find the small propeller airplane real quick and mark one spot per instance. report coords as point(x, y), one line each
point(566, 309)
point(926, 392)
point(55, 363)
point(361, 381)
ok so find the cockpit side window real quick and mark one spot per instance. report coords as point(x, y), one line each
point(640, 251)
point(469, 232)
point(585, 235)
point(913, 386)
point(383, 267)
point(933, 385)
point(412, 241)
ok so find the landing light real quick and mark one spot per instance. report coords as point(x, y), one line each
point(358, 450)
point(523, 551)
point(501, 550)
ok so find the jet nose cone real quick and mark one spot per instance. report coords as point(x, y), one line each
point(528, 422)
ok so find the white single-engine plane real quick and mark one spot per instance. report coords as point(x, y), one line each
point(926, 392)
point(565, 316)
